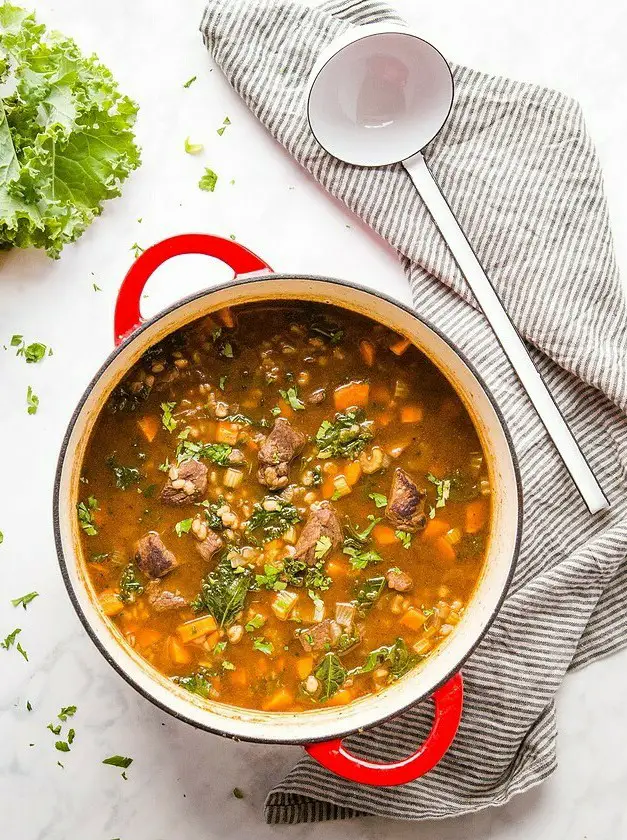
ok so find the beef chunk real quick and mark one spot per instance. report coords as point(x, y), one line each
point(208, 547)
point(153, 558)
point(321, 636)
point(317, 397)
point(400, 581)
point(281, 446)
point(322, 522)
point(185, 484)
point(406, 505)
point(162, 600)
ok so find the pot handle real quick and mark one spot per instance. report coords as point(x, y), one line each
point(127, 310)
point(448, 701)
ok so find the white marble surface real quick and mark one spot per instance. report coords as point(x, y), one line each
point(181, 780)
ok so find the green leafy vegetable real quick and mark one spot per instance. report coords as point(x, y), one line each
point(345, 437)
point(193, 148)
point(404, 538)
point(397, 658)
point(328, 330)
point(226, 350)
point(118, 761)
point(322, 547)
point(208, 181)
point(271, 578)
point(54, 728)
point(379, 499)
point(1, 537)
point(315, 578)
point(270, 524)
point(130, 585)
point(223, 592)
point(356, 545)
point(85, 516)
point(66, 142)
point(70, 736)
point(32, 400)
point(242, 419)
point(331, 675)
point(137, 250)
point(168, 421)
point(368, 592)
point(125, 477)
point(442, 488)
point(24, 600)
point(195, 683)
point(463, 487)
point(9, 640)
point(21, 650)
point(263, 645)
point(183, 527)
point(255, 623)
point(217, 452)
point(291, 396)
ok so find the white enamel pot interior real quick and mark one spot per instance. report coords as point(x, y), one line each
point(327, 723)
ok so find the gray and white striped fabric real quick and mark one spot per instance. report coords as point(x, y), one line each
point(520, 172)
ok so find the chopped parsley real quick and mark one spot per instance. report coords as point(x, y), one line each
point(271, 578)
point(255, 623)
point(442, 489)
point(1, 537)
point(32, 353)
point(397, 658)
point(136, 249)
point(21, 650)
point(85, 515)
point(222, 382)
point(130, 586)
point(24, 600)
point(66, 712)
point(208, 181)
point(345, 437)
point(167, 420)
point(356, 545)
point(96, 288)
point(404, 538)
point(195, 683)
point(322, 547)
point(222, 128)
point(219, 453)
point(9, 640)
point(190, 82)
point(54, 728)
point(226, 350)
point(291, 397)
point(183, 527)
point(237, 793)
point(315, 577)
point(118, 761)
point(268, 525)
point(125, 477)
point(32, 401)
point(29, 707)
point(70, 736)
point(263, 645)
point(193, 148)
point(62, 746)
point(379, 499)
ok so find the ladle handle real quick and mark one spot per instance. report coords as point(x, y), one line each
point(506, 333)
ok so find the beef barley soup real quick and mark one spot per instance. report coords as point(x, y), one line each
point(284, 506)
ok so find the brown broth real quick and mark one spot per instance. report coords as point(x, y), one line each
point(274, 348)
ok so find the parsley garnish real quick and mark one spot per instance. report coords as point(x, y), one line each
point(124, 476)
point(183, 527)
point(263, 645)
point(24, 600)
point(195, 683)
point(222, 383)
point(291, 396)
point(130, 585)
point(217, 452)
point(222, 129)
point(379, 499)
point(442, 488)
point(32, 401)
point(167, 419)
point(404, 537)
point(21, 650)
point(118, 761)
point(255, 623)
point(85, 516)
point(270, 579)
point(208, 181)
point(62, 746)
point(193, 148)
point(33, 353)
point(356, 545)
point(271, 524)
point(66, 712)
point(1, 537)
point(322, 547)
point(9, 640)
point(345, 437)
point(136, 249)
point(190, 81)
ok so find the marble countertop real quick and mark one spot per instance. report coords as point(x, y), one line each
point(180, 784)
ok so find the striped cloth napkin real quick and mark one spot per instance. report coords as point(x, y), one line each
point(520, 172)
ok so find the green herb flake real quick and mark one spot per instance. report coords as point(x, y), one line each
point(9, 640)
point(442, 488)
point(85, 515)
point(190, 82)
point(269, 525)
point(62, 746)
point(227, 350)
point(208, 181)
point(66, 712)
point(195, 684)
point(345, 437)
point(291, 396)
point(322, 547)
point(255, 623)
point(136, 249)
point(32, 401)
point(29, 707)
point(70, 736)
point(183, 527)
point(193, 148)
point(1, 537)
point(404, 538)
point(222, 383)
point(219, 453)
point(271, 578)
point(21, 650)
point(32, 353)
point(167, 420)
point(130, 585)
point(118, 761)
point(54, 728)
point(263, 645)
point(96, 288)
point(24, 600)
point(125, 477)
point(397, 658)
point(379, 499)
point(222, 129)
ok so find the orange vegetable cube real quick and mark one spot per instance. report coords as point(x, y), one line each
point(304, 666)
point(445, 549)
point(413, 618)
point(435, 528)
point(400, 346)
point(110, 603)
point(239, 677)
point(367, 352)
point(177, 652)
point(476, 516)
point(411, 414)
point(340, 698)
point(383, 535)
point(146, 637)
point(352, 473)
point(226, 316)
point(196, 628)
point(227, 433)
point(149, 426)
point(352, 394)
point(280, 700)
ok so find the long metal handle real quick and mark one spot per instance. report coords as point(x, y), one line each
point(506, 333)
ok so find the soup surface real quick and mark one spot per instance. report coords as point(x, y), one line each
point(284, 506)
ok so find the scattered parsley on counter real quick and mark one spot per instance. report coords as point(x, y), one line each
point(208, 181)
point(54, 728)
point(118, 761)
point(96, 288)
point(33, 353)
point(21, 650)
point(32, 401)
point(66, 712)
point(24, 600)
point(29, 707)
point(222, 129)
point(193, 148)
point(190, 82)
point(9, 640)
point(1, 537)
point(62, 746)
point(136, 249)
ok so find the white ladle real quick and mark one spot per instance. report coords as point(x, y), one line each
point(377, 96)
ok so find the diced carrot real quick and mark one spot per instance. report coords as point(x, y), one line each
point(146, 637)
point(366, 349)
point(400, 346)
point(226, 316)
point(239, 677)
point(352, 472)
point(177, 652)
point(445, 549)
point(149, 426)
point(286, 408)
point(335, 569)
point(196, 628)
point(110, 603)
point(413, 618)
point(411, 414)
point(435, 528)
point(304, 666)
point(341, 698)
point(212, 640)
point(352, 394)
point(227, 433)
point(384, 419)
point(476, 516)
point(383, 535)
point(328, 488)
point(281, 699)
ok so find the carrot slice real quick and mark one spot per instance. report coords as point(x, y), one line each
point(146, 637)
point(281, 699)
point(413, 618)
point(435, 528)
point(352, 394)
point(149, 426)
point(110, 603)
point(239, 677)
point(304, 666)
point(445, 549)
point(476, 516)
point(341, 698)
point(177, 652)
point(352, 473)
point(196, 628)
point(411, 414)
point(383, 535)
point(335, 569)
point(366, 349)
point(400, 346)
point(227, 433)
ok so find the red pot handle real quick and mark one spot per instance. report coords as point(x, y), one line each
point(127, 313)
point(448, 702)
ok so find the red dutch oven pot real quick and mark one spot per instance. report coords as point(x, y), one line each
point(320, 731)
